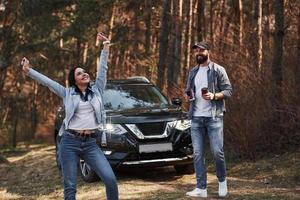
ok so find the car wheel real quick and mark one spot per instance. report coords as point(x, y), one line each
point(57, 141)
point(87, 174)
point(185, 169)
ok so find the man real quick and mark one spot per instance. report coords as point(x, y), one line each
point(207, 87)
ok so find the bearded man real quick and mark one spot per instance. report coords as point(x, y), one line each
point(207, 88)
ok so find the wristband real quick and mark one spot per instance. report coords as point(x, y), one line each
point(106, 42)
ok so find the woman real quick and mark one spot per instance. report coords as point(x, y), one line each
point(84, 113)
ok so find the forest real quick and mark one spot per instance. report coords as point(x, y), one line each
point(258, 43)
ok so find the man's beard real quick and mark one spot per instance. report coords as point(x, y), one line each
point(201, 59)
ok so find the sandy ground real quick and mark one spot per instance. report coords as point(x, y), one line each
point(32, 174)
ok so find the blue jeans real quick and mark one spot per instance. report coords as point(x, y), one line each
point(214, 130)
point(71, 149)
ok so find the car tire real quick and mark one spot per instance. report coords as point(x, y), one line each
point(87, 174)
point(57, 141)
point(185, 168)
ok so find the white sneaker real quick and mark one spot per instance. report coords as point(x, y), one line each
point(223, 189)
point(197, 192)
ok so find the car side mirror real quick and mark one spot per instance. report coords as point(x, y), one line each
point(176, 101)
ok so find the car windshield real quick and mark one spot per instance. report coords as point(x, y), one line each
point(124, 97)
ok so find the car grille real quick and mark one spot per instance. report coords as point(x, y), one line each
point(148, 129)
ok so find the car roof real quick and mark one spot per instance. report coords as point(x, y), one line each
point(131, 80)
point(126, 81)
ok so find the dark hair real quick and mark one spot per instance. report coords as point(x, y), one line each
point(72, 83)
point(71, 78)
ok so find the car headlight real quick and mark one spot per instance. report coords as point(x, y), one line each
point(115, 129)
point(180, 125)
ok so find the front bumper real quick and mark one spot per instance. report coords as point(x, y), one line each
point(160, 162)
point(123, 150)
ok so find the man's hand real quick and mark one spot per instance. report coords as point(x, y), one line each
point(208, 96)
point(187, 98)
point(25, 65)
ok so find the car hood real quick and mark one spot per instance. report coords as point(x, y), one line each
point(142, 115)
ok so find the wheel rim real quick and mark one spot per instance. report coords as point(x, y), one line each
point(85, 168)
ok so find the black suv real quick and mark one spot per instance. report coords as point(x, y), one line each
point(143, 128)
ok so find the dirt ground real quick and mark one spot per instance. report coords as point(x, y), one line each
point(31, 173)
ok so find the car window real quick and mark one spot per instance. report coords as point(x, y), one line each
point(119, 97)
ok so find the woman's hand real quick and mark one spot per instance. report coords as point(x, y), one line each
point(102, 37)
point(25, 65)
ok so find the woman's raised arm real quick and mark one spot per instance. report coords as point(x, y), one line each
point(42, 79)
point(102, 68)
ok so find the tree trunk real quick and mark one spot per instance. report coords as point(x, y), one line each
point(134, 55)
point(189, 39)
point(2, 80)
point(241, 22)
point(171, 58)
point(14, 136)
point(5, 115)
point(148, 27)
point(78, 52)
point(278, 49)
point(175, 51)
point(268, 9)
point(110, 35)
point(112, 19)
point(236, 26)
point(211, 22)
point(15, 123)
point(194, 22)
point(229, 20)
point(259, 34)
point(277, 119)
point(178, 38)
point(163, 44)
point(7, 39)
point(298, 59)
point(183, 17)
point(222, 21)
point(34, 111)
point(85, 52)
point(200, 20)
